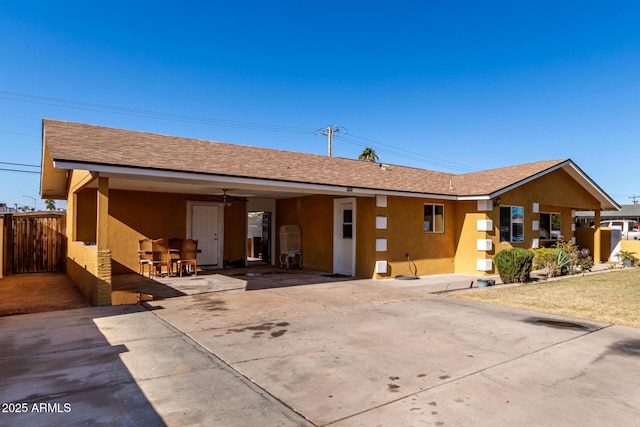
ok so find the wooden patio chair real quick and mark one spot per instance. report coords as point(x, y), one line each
point(175, 246)
point(145, 254)
point(161, 256)
point(188, 256)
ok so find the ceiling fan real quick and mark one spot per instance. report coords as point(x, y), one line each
point(227, 199)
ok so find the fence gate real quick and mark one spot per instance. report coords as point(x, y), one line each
point(39, 242)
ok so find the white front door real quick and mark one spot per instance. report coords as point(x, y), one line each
point(344, 236)
point(205, 228)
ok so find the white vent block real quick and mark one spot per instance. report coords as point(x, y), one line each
point(381, 201)
point(535, 243)
point(573, 240)
point(573, 213)
point(381, 222)
point(484, 205)
point(535, 225)
point(381, 267)
point(484, 244)
point(536, 207)
point(484, 265)
point(485, 225)
point(573, 227)
point(381, 245)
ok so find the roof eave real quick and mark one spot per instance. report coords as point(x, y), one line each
point(53, 180)
point(321, 188)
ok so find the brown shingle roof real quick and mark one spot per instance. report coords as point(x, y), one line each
point(493, 180)
point(89, 144)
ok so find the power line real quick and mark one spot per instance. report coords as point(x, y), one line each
point(330, 131)
point(20, 164)
point(88, 106)
point(413, 154)
point(19, 133)
point(17, 170)
point(410, 155)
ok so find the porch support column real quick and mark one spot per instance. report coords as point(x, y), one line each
point(103, 213)
point(597, 239)
point(102, 290)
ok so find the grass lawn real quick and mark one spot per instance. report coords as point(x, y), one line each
point(611, 297)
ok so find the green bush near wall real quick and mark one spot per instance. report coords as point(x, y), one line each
point(514, 265)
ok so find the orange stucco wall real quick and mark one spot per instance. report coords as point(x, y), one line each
point(235, 231)
point(466, 217)
point(454, 250)
point(585, 239)
point(365, 236)
point(138, 215)
point(430, 253)
point(555, 192)
point(314, 215)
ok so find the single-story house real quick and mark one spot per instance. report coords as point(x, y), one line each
point(357, 218)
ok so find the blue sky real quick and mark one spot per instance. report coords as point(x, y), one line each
point(450, 86)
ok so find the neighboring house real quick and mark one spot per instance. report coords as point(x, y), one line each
point(586, 218)
point(357, 218)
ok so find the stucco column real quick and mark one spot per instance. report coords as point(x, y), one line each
point(103, 213)
point(597, 239)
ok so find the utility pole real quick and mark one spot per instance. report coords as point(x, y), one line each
point(634, 199)
point(34, 201)
point(329, 131)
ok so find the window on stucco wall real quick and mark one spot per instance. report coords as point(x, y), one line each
point(433, 218)
point(512, 224)
point(347, 224)
point(550, 226)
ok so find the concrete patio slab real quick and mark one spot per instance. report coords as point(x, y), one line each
point(586, 381)
point(219, 310)
point(121, 366)
point(331, 368)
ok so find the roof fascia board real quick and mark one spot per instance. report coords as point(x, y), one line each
point(408, 194)
point(485, 197)
point(594, 186)
point(44, 142)
point(333, 189)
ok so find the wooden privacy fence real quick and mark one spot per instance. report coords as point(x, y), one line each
point(39, 242)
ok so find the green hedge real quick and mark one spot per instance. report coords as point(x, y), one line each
point(514, 265)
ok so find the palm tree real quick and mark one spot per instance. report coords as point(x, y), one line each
point(368, 154)
point(50, 204)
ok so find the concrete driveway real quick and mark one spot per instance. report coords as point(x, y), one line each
point(356, 353)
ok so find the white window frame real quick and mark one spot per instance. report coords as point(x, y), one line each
point(433, 215)
point(549, 237)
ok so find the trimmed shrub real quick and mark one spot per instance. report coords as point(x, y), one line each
point(514, 265)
